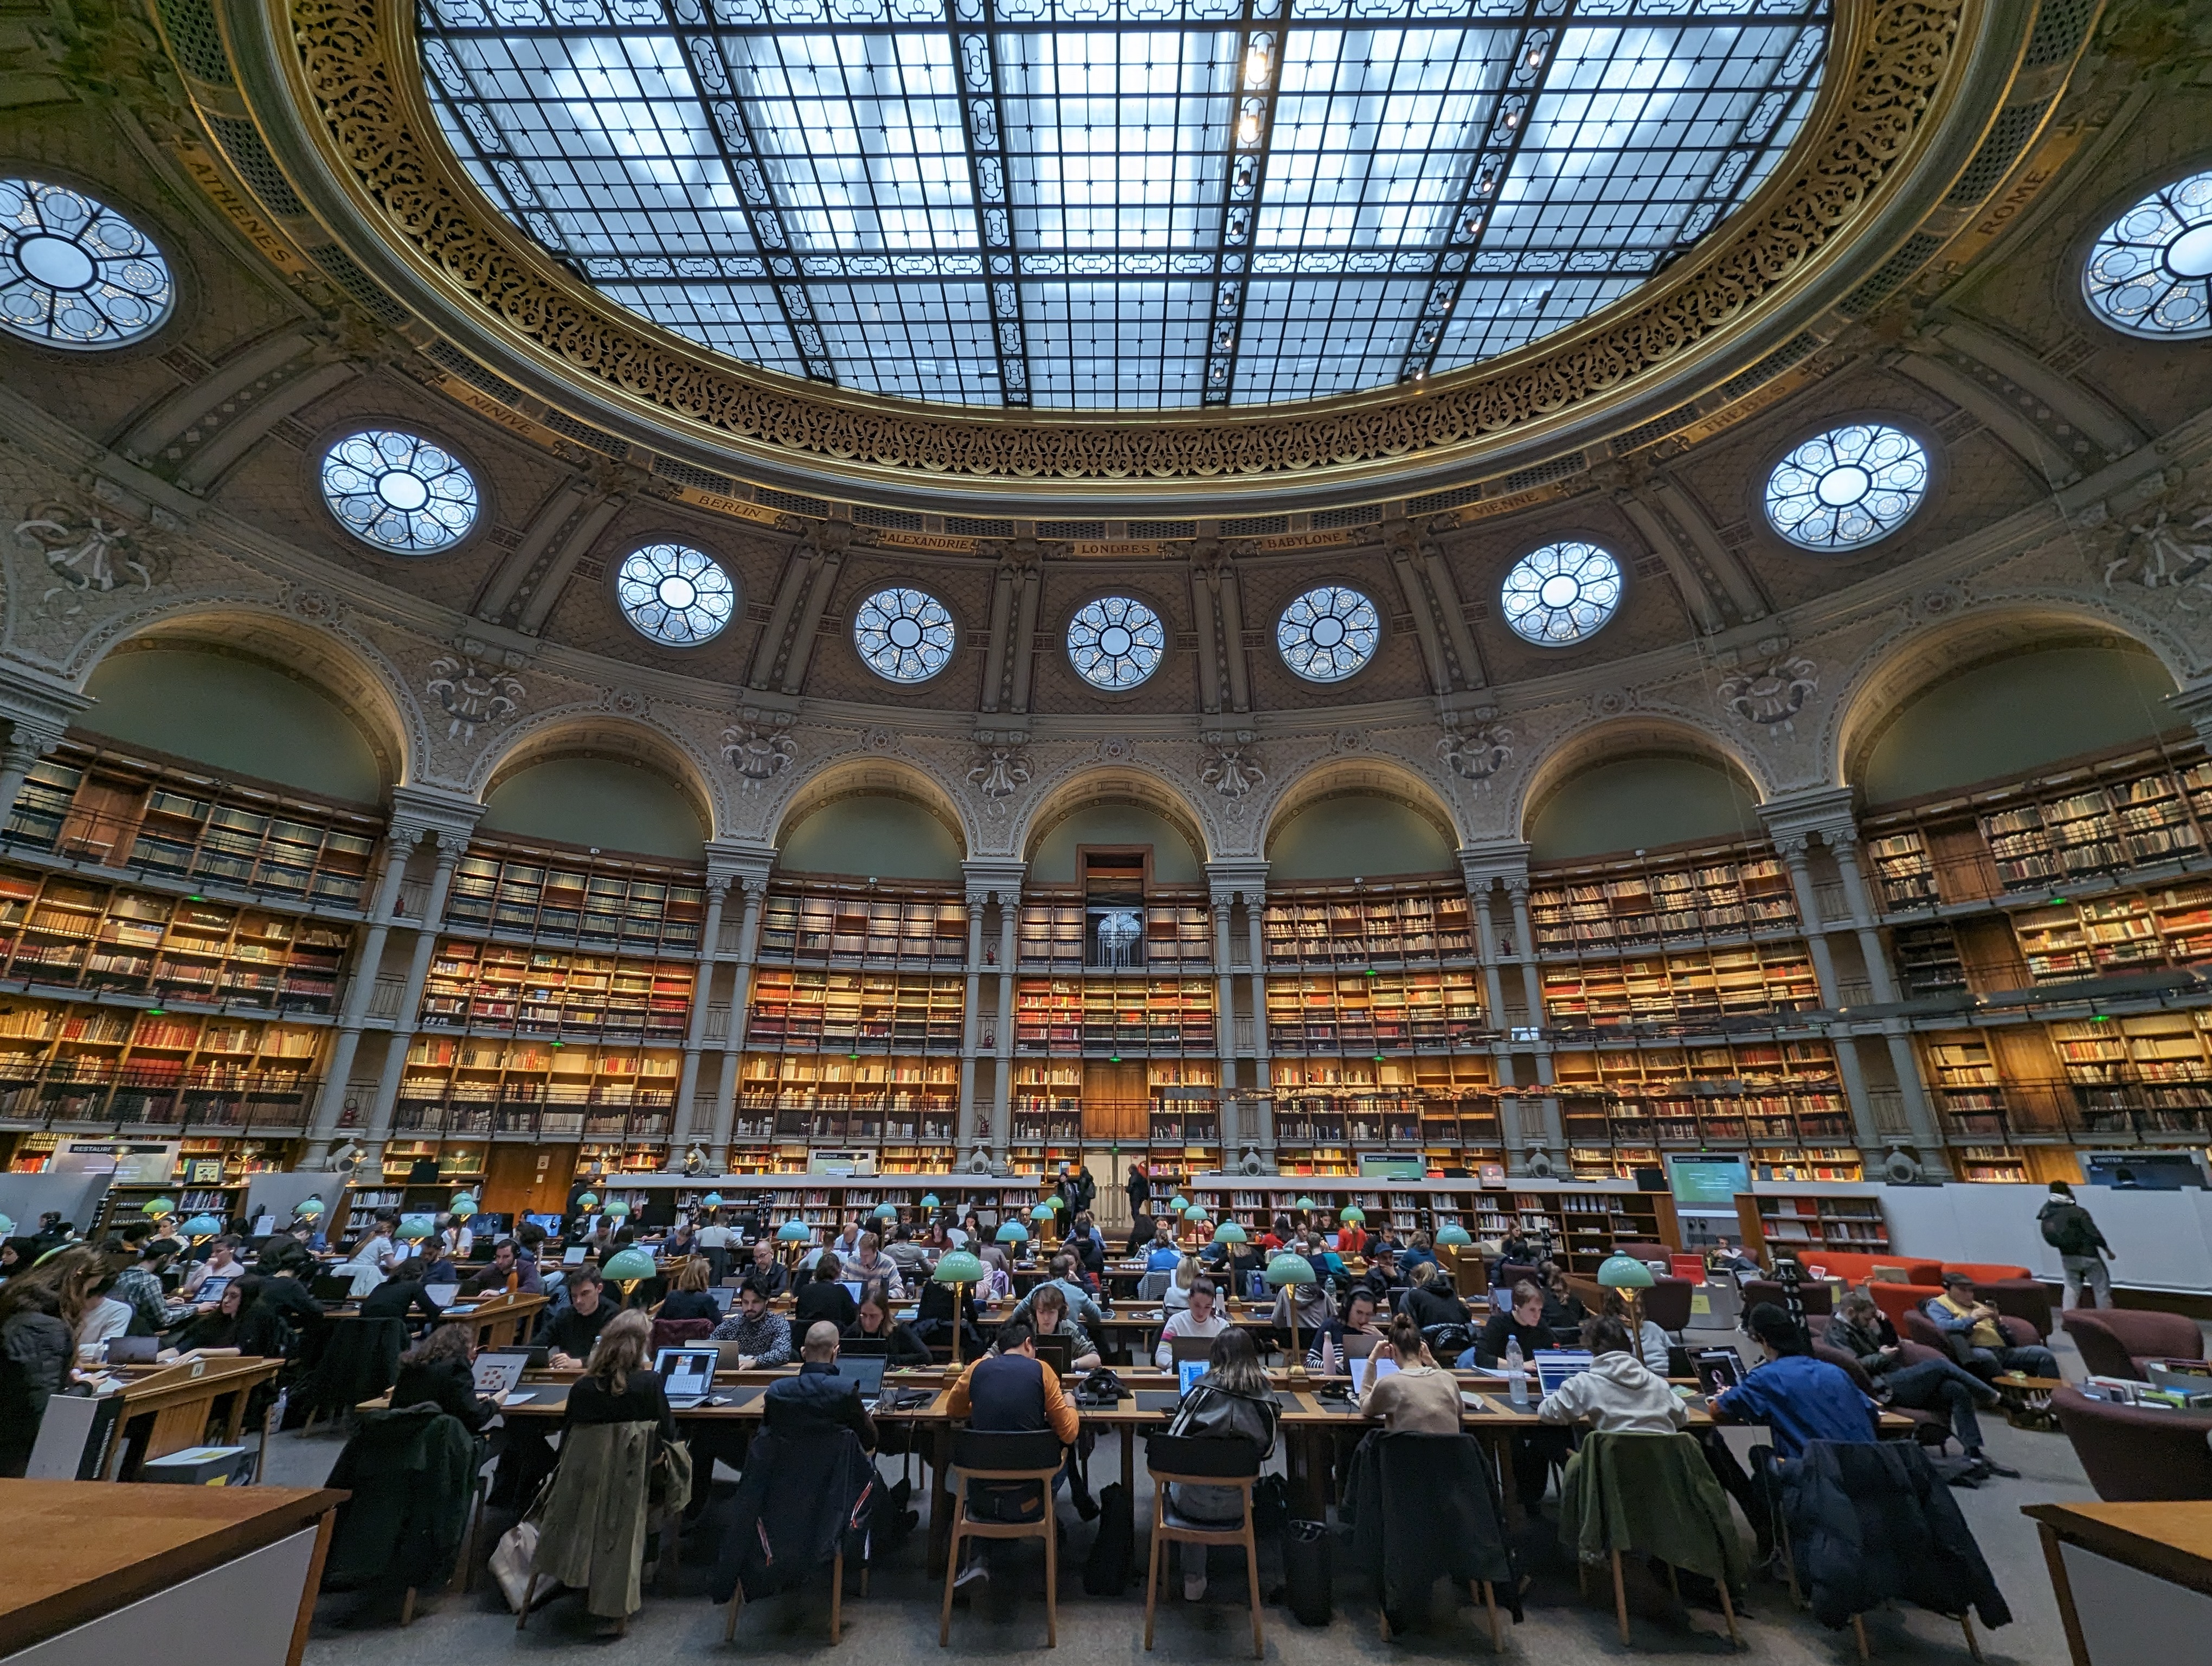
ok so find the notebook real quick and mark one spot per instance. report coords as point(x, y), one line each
point(865, 1373)
point(1555, 1366)
point(687, 1374)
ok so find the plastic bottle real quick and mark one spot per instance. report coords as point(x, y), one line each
point(1516, 1387)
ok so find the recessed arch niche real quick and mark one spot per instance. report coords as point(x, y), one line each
point(608, 802)
point(871, 835)
point(1641, 800)
point(1119, 822)
point(1355, 836)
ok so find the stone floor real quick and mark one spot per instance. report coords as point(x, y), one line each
point(1007, 1618)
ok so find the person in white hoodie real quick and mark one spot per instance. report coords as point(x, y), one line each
point(1619, 1393)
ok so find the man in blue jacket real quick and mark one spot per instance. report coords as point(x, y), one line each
point(1799, 1399)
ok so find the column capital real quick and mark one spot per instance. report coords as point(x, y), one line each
point(994, 876)
point(1238, 877)
point(2194, 705)
point(445, 818)
point(1825, 812)
point(739, 861)
point(38, 708)
point(1493, 861)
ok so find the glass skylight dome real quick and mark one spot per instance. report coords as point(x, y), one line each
point(1133, 204)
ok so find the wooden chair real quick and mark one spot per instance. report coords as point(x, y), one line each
point(1035, 1459)
point(1182, 1461)
point(836, 1600)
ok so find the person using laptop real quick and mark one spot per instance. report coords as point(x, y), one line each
point(404, 1293)
point(1358, 1320)
point(690, 1299)
point(715, 1235)
point(1619, 1393)
point(869, 1265)
point(1049, 1315)
point(1163, 1255)
point(1008, 1391)
point(1198, 1319)
point(1066, 1280)
point(824, 1297)
point(237, 1321)
point(1522, 1321)
point(1800, 1398)
point(908, 1256)
point(819, 1399)
point(764, 1338)
point(438, 1370)
point(573, 1330)
point(902, 1348)
point(1416, 1395)
point(765, 1270)
point(506, 1272)
point(1232, 1402)
point(221, 1262)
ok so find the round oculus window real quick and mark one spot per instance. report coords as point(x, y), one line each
point(1847, 488)
point(1561, 593)
point(1115, 642)
point(1328, 633)
point(74, 272)
point(904, 634)
point(675, 595)
point(402, 493)
point(2150, 272)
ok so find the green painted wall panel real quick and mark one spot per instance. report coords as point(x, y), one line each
point(873, 835)
point(232, 713)
point(1640, 804)
point(2013, 715)
point(1174, 862)
point(599, 801)
point(1356, 836)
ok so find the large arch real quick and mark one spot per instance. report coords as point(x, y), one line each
point(1612, 739)
point(1895, 671)
point(1362, 775)
point(1113, 784)
point(599, 736)
point(346, 671)
point(878, 778)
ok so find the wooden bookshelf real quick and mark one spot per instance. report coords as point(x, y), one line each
point(509, 989)
point(822, 923)
point(2118, 931)
point(57, 931)
point(1374, 926)
point(1328, 1111)
point(2146, 1073)
point(82, 1064)
point(1903, 870)
point(1928, 962)
point(1114, 1015)
point(474, 1086)
point(1682, 986)
point(1056, 936)
point(1776, 1095)
point(1810, 1223)
point(800, 1009)
point(1726, 891)
point(91, 807)
point(1374, 1011)
point(904, 1108)
point(592, 901)
point(1969, 1093)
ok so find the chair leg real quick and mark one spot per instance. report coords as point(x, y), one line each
point(951, 1571)
point(407, 1608)
point(837, 1596)
point(1858, 1630)
point(1619, 1598)
point(1728, 1609)
point(1490, 1607)
point(1252, 1581)
point(1152, 1567)
point(737, 1607)
point(1051, 1572)
point(1673, 1584)
point(1973, 1647)
point(529, 1595)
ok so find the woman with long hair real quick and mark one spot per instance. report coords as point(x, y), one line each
point(998, 1281)
point(1232, 1402)
point(616, 1386)
point(436, 1371)
point(39, 1313)
point(1177, 1294)
point(690, 1299)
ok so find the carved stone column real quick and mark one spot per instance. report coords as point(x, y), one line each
point(753, 883)
point(695, 1039)
point(360, 989)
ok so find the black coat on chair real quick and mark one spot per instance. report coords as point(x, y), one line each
point(1425, 1507)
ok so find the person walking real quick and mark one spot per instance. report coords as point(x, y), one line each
point(2069, 1229)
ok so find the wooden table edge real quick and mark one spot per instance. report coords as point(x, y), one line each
point(49, 1617)
point(2123, 1544)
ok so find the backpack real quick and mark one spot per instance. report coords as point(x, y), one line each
point(2068, 1230)
point(1113, 1559)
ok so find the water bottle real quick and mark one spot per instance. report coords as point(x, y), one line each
point(1516, 1386)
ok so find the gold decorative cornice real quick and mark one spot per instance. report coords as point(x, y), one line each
point(1897, 77)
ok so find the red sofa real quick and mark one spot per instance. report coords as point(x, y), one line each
point(2012, 1290)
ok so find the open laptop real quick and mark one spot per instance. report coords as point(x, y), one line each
point(533, 1358)
point(498, 1374)
point(573, 1256)
point(1555, 1366)
point(213, 1285)
point(687, 1374)
point(1370, 1367)
point(1056, 1351)
point(332, 1287)
point(1718, 1369)
point(441, 1295)
point(722, 1295)
point(854, 1288)
point(865, 1373)
point(1187, 1371)
point(864, 1347)
point(132, 1350)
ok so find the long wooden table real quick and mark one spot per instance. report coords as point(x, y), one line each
point(166, 1409)
point(159, 1571)
point(2134, 1581)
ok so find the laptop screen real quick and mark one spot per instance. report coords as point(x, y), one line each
point(1057, 1351)
point(686, 1373)
point(722, 1296)
point(852, 1288)
point(865, 1371)
point(212, 1287)
point(1375, 1365)
point(1718, 1369)
point(441, 1295)
point(1187, 1371)
point(496, 1374)
point(1555, 1366)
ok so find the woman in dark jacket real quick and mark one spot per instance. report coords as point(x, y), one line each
point(1431, 1301)
point(436, 1370)
point(824, 1298)
point(242, 1322)
point(1232, 1402)
point(874, 1324)
point(39, 1311)
point(690, 1299)
point(615, 1387)
point(1564, 1311)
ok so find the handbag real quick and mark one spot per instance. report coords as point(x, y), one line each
point(517, 1549)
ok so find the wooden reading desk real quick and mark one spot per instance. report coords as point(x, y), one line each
point(2134, 1581)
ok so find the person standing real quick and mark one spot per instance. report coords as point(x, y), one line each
point(2069, 1229)
point(1138, 1185)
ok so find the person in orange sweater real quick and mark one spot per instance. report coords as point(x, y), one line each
point(1010, 1391)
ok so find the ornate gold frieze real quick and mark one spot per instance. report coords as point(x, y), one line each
point(1894, 66)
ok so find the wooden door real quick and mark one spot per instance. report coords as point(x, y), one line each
point(1117, 1104)
point(528, 1179)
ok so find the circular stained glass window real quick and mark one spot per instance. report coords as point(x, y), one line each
point(2150, 274)
point(1328, 633)
point(399, 492)
point(1561, 592)
point(675, 595)
point(74, 272)
point(1115, 642)
point(1847, 487)
point(904, 634)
